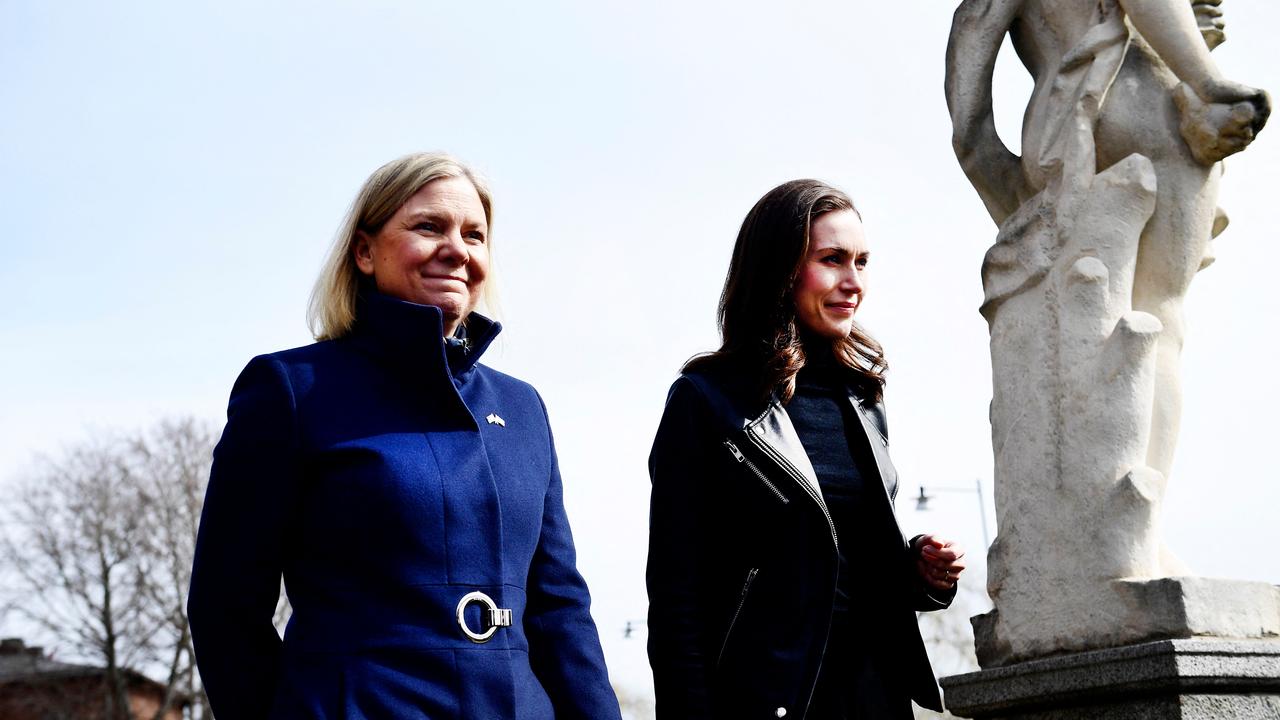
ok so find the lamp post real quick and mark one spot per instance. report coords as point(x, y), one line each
point(922, 503)
point(631, 627)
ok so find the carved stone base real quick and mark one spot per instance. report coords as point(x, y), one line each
point(1128, 612)
point(1198, 678)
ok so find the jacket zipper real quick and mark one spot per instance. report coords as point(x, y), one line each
point(742, 599)
point(737, 455)
point(795, 475)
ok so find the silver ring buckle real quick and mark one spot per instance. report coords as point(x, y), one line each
point(493, 616)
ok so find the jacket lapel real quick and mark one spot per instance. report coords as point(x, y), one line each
point(777, 435)
point(879, 450)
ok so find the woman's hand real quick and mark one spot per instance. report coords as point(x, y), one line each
point(938, 561)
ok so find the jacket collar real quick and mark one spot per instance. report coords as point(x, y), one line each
point(772, 430)
point(776, 433)
point(775, 430)
point(412, 335)
point(872, 428)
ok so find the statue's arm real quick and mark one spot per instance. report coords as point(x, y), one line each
point(1170, 27)
point(977, 31)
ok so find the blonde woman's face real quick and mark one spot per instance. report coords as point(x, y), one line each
point(830, 285)
point(433, 251)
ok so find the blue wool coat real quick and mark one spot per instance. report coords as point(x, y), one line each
point(386, 475)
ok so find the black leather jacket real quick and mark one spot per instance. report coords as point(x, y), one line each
point(743, 560)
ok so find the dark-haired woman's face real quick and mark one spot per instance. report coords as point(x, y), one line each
point(830, 285)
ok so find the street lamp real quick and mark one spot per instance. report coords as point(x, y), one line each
point(922, 503)
point(631, 627)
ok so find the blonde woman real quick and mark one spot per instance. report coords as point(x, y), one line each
point(409, 495)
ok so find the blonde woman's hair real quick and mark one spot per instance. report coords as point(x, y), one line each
point(331, 312)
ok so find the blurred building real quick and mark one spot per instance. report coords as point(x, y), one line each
point(36, 687)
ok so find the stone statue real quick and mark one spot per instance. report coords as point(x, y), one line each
point(1104, 220)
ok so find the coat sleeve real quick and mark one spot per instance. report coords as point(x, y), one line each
point(235, 580)
point(921, 596)
point(678, 512)
point(564, 647)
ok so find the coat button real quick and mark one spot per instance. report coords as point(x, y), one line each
point(780, 712)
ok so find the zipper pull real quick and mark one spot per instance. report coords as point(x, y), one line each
point(737, 454)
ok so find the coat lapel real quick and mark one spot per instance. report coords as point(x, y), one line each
point(778, 436)
point(879, 449)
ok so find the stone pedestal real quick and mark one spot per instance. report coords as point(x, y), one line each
point(1129, 612)
point(1200, 678)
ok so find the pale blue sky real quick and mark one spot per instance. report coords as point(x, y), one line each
point(172, 173)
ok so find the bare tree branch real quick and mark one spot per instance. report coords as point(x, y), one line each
point(100, 540)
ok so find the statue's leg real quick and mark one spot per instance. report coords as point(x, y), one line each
point(1170, 252)
point(1139, 116)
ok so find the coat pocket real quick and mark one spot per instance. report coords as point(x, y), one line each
point(742, 600)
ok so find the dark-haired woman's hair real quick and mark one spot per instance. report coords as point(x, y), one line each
point(758, 330)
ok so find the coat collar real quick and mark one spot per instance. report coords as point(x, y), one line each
point(775, 431)
point(872, 427)
point(771, 429)
point(777, 435)
point(412, 335)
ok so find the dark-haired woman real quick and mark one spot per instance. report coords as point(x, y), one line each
point(779, 582)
